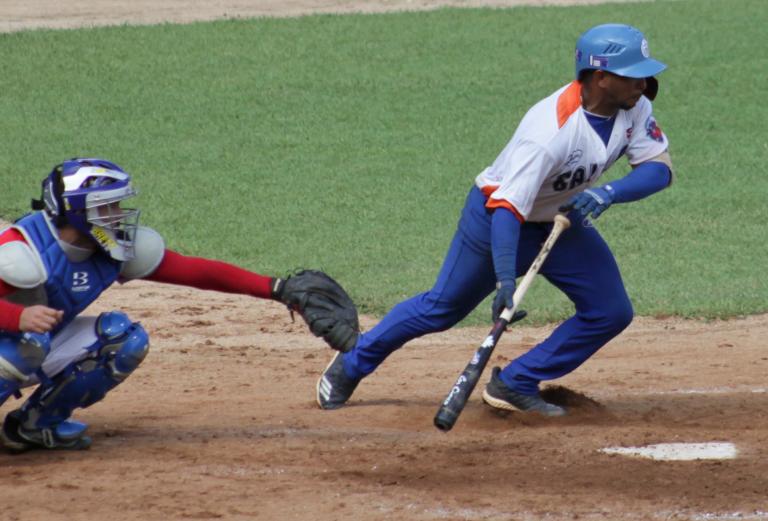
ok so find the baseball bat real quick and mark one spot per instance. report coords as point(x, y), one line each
point(454, 403)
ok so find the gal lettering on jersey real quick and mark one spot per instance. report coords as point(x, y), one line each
point(573, 178)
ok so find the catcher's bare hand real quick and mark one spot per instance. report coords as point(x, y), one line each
point(39, 319)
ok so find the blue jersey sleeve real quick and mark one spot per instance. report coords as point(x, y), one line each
point(646, 179)
point(505, 234)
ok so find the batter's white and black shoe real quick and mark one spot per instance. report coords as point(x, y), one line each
point(334, 386)
point(498, 395)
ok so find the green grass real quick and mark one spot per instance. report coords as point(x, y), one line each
point(349, 142)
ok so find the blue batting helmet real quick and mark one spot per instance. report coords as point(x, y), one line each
point(616, 48)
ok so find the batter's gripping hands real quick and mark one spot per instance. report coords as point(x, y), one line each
point(323, 304)
point(505, 298)
point(593, 200)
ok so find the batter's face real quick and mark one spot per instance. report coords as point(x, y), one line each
point(620, 91)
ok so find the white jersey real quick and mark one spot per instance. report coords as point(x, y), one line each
point(555, 153)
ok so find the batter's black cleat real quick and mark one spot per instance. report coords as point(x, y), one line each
point(498, 395)
point(334, 386)
point(68, 435)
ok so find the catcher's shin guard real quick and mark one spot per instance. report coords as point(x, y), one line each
point(7, 389)
point(120, 348)
point(22, 355)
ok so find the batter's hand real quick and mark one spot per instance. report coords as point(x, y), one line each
point(39, 319)
point(504, 299)
point(591, 200)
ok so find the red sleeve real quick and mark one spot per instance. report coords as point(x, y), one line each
point(10, 313)
point(201, 273)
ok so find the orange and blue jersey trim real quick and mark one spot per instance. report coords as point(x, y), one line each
point(500, 203)
point(568, 102)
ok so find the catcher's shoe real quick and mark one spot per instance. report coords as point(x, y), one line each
point(67, 435)
point(334, 386)
point(498, 395)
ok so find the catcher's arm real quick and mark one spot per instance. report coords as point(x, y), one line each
point(209, 274)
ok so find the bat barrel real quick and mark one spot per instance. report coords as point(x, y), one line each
point(454, 403)
point(446, 418)
point(451, 408)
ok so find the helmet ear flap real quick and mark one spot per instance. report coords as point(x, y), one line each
point(58, 194)
point(652, 88)
point(52, 198)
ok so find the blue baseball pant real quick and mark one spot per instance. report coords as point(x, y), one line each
point(581, 265)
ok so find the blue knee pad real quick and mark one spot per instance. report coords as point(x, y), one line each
point(21, 355)
point(120, 348)
point(123, 343)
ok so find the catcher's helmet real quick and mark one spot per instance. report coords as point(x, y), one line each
point(86, 194)
point(616, 48)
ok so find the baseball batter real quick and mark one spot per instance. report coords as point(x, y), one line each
point(57, 260)
point(553, 163)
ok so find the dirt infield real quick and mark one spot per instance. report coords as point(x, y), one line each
point(220, 423)
point(18, 15)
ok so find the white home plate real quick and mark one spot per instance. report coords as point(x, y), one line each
point(678, 451)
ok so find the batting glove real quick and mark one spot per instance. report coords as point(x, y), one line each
point(591, 200)
point(504, 299)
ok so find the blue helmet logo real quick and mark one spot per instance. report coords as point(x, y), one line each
point(616, 48)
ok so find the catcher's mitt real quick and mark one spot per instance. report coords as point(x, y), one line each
point(323, 304)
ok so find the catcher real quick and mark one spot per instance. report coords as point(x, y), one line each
point(58, 259)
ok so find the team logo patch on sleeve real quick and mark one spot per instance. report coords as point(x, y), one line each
point(653, 130)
